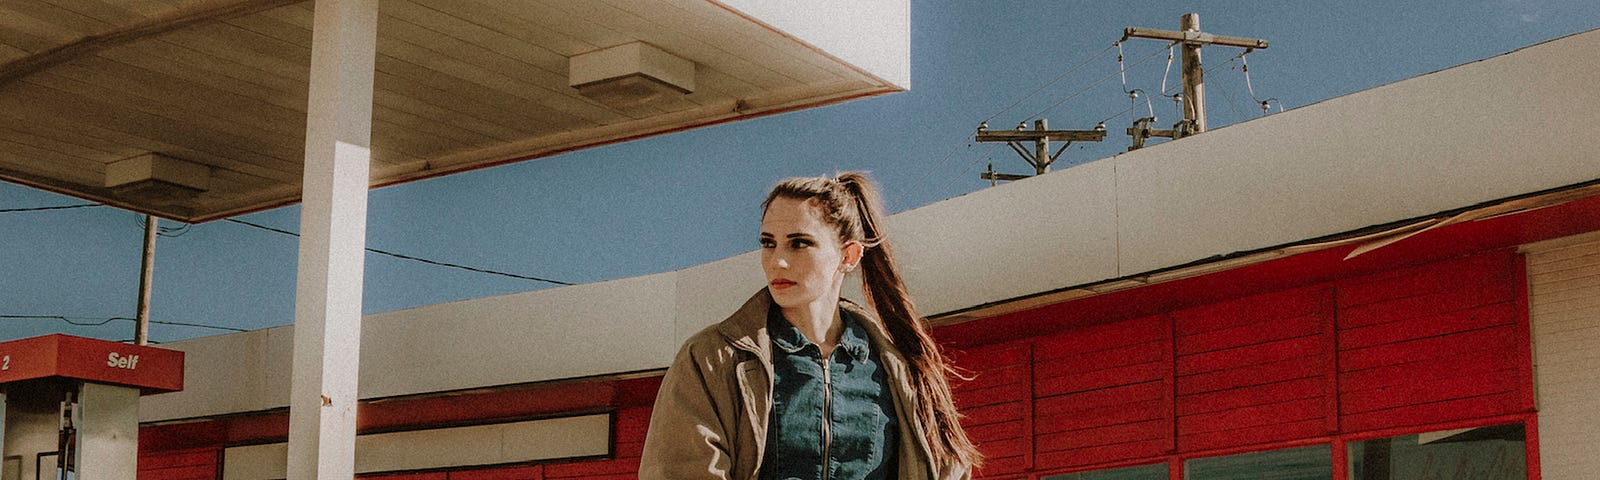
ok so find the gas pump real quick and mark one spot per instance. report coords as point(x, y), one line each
point(69, 406)
point(67, 440)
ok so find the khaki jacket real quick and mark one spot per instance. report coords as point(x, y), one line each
point(710, 417)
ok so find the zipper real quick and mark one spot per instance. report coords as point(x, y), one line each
point(827, 416)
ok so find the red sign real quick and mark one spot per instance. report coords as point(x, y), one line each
point(152, 370)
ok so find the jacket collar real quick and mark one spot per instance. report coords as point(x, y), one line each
point(852, 337)
point(747, 329)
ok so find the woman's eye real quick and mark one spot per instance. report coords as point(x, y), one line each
point(767, 243)
point(799, 244)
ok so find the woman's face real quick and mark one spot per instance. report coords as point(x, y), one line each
point(802, 255)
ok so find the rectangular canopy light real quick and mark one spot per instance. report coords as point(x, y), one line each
point(630, 75)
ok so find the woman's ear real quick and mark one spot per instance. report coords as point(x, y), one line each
point(852, 255)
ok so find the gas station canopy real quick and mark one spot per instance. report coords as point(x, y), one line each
point(195, 110)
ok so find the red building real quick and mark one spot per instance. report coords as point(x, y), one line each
point(1322, 293)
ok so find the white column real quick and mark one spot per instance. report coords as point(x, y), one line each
point(333, 224)
point(108, 432)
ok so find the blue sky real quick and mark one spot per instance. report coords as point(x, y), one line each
point(670, 202)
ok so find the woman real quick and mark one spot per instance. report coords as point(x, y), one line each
point(799, 383)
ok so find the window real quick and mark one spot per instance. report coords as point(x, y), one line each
point(1488, 453)
point(1305, 463)
point(1143, 472)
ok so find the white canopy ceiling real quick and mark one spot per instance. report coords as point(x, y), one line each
point(195, 109)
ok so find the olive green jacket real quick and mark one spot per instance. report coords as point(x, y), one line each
point(710, 417)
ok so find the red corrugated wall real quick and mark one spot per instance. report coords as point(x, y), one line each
point(191, 464)
point(1408, 348)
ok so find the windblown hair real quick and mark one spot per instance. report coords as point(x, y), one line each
point(850, 202)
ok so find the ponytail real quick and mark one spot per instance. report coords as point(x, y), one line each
point(851, 202)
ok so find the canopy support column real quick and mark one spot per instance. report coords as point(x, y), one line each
point(333, 223)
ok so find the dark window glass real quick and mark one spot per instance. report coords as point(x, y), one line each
point(1487, 453)
point(1143, 472)
point(1305, 463)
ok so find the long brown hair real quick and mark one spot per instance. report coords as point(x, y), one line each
point(850, 202)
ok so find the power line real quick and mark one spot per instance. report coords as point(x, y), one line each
point(1168, 71)
point(1052, 81)
point(1265, 104)
point(917, 187)
point(90, 321)
point(163, 230)
point(1090, 86)
point(1125, 110)
point(178, 231)
point(40, 209)
point(411, 258)
point(975, 161)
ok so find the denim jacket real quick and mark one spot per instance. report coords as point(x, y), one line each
point(710, 416)
point(832, 417)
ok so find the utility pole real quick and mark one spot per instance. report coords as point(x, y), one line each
point(141, 331)
point(1041, 136)
point(1194, 89)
